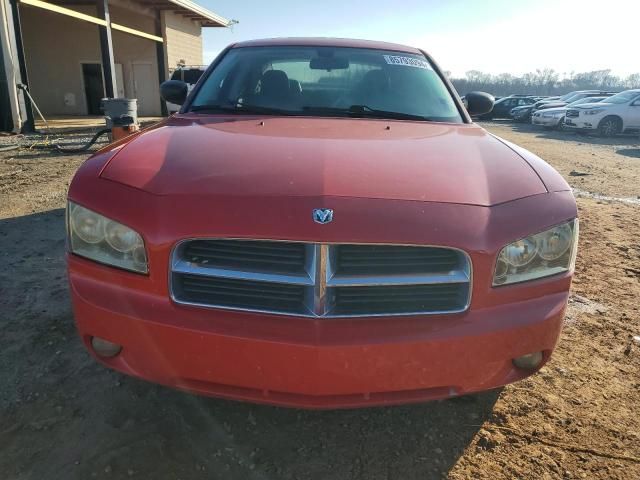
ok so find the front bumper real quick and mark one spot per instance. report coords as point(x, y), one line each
point(522, 116)
point(581, 123)
point(546, 121)
point(313, 363)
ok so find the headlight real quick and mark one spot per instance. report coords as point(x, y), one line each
point(547, 253)
point(594, 111)
point(103, 240)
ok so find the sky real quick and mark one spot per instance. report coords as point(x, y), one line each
point(494, 36)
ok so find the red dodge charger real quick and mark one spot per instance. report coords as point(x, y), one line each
point(321, 226)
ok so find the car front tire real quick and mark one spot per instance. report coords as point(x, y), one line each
point(609, 127)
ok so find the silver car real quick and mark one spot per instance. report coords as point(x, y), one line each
point(554, 117)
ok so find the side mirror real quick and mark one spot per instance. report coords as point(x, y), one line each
point(174, 91)
point(479, 103)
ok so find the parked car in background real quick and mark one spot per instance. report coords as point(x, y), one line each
point(322, 226)
point(573, 99)
point(189, 75)
point(570, 97)
point(617, 114)
point(503, 106)
point(563, 98)
point(554, 117)
point(522, 113)
point(540, 101)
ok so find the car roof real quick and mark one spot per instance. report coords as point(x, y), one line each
point(326, 42)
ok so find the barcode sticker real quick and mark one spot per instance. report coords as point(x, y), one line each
point(407, 61)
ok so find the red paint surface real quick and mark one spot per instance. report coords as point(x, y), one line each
point(327, 42)
point(306, 157)
point(311, 363)
point(422, 184)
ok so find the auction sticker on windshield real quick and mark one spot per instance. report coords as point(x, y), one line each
point(407, 61)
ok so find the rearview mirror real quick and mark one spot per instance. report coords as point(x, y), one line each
point(174, 91)
point(328, 63)
point(479, 103)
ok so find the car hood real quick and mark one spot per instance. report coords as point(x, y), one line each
point(552, 105)
point(552, 110)
point(242, 156)
point(592, 105)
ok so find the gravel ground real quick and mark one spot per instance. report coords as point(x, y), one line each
point(62, 416)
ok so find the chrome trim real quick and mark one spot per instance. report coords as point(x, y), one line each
point(321, 273)
point(320, 292)
point(381, 280)
point(182, 266)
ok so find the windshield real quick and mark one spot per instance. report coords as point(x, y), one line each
point(587, 100)
point(327, 81)
point(573, 97)
point(623, 97)
point(566, 96)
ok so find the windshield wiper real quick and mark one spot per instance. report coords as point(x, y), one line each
point(352, 111)
point(241, 108)
point(366, 111)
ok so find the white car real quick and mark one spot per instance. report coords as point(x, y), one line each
point(189, 75)
point(554, 117)
point(618, 114)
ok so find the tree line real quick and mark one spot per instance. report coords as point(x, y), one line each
point(543, 82)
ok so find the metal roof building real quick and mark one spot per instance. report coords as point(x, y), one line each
point(72, 53)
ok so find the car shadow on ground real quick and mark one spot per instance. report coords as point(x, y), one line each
point(65, 416)
point(629, 152)
point(569, 136)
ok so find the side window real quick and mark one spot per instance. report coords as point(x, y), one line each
point(192, 75)
point(176, 75)
point(217, 90)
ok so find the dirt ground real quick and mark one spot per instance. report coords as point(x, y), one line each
point(62, 416)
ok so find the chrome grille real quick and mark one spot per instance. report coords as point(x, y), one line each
point(398, 299)
point(393, 259)
point(320, 280)
point(229, 293)
point(277, 257)
point(571, 113)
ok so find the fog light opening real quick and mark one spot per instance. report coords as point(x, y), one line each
point(528, 361)
point(105, 348)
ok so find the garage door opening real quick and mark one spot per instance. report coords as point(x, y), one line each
point(93, 86)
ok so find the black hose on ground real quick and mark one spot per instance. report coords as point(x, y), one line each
point(84, 147)
point(55, 146)
point(9, 147)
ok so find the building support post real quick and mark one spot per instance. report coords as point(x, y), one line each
point(106, 48)
point(29, 125)
point(162, 68)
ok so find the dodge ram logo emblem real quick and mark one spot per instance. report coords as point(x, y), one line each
point(322, 215)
